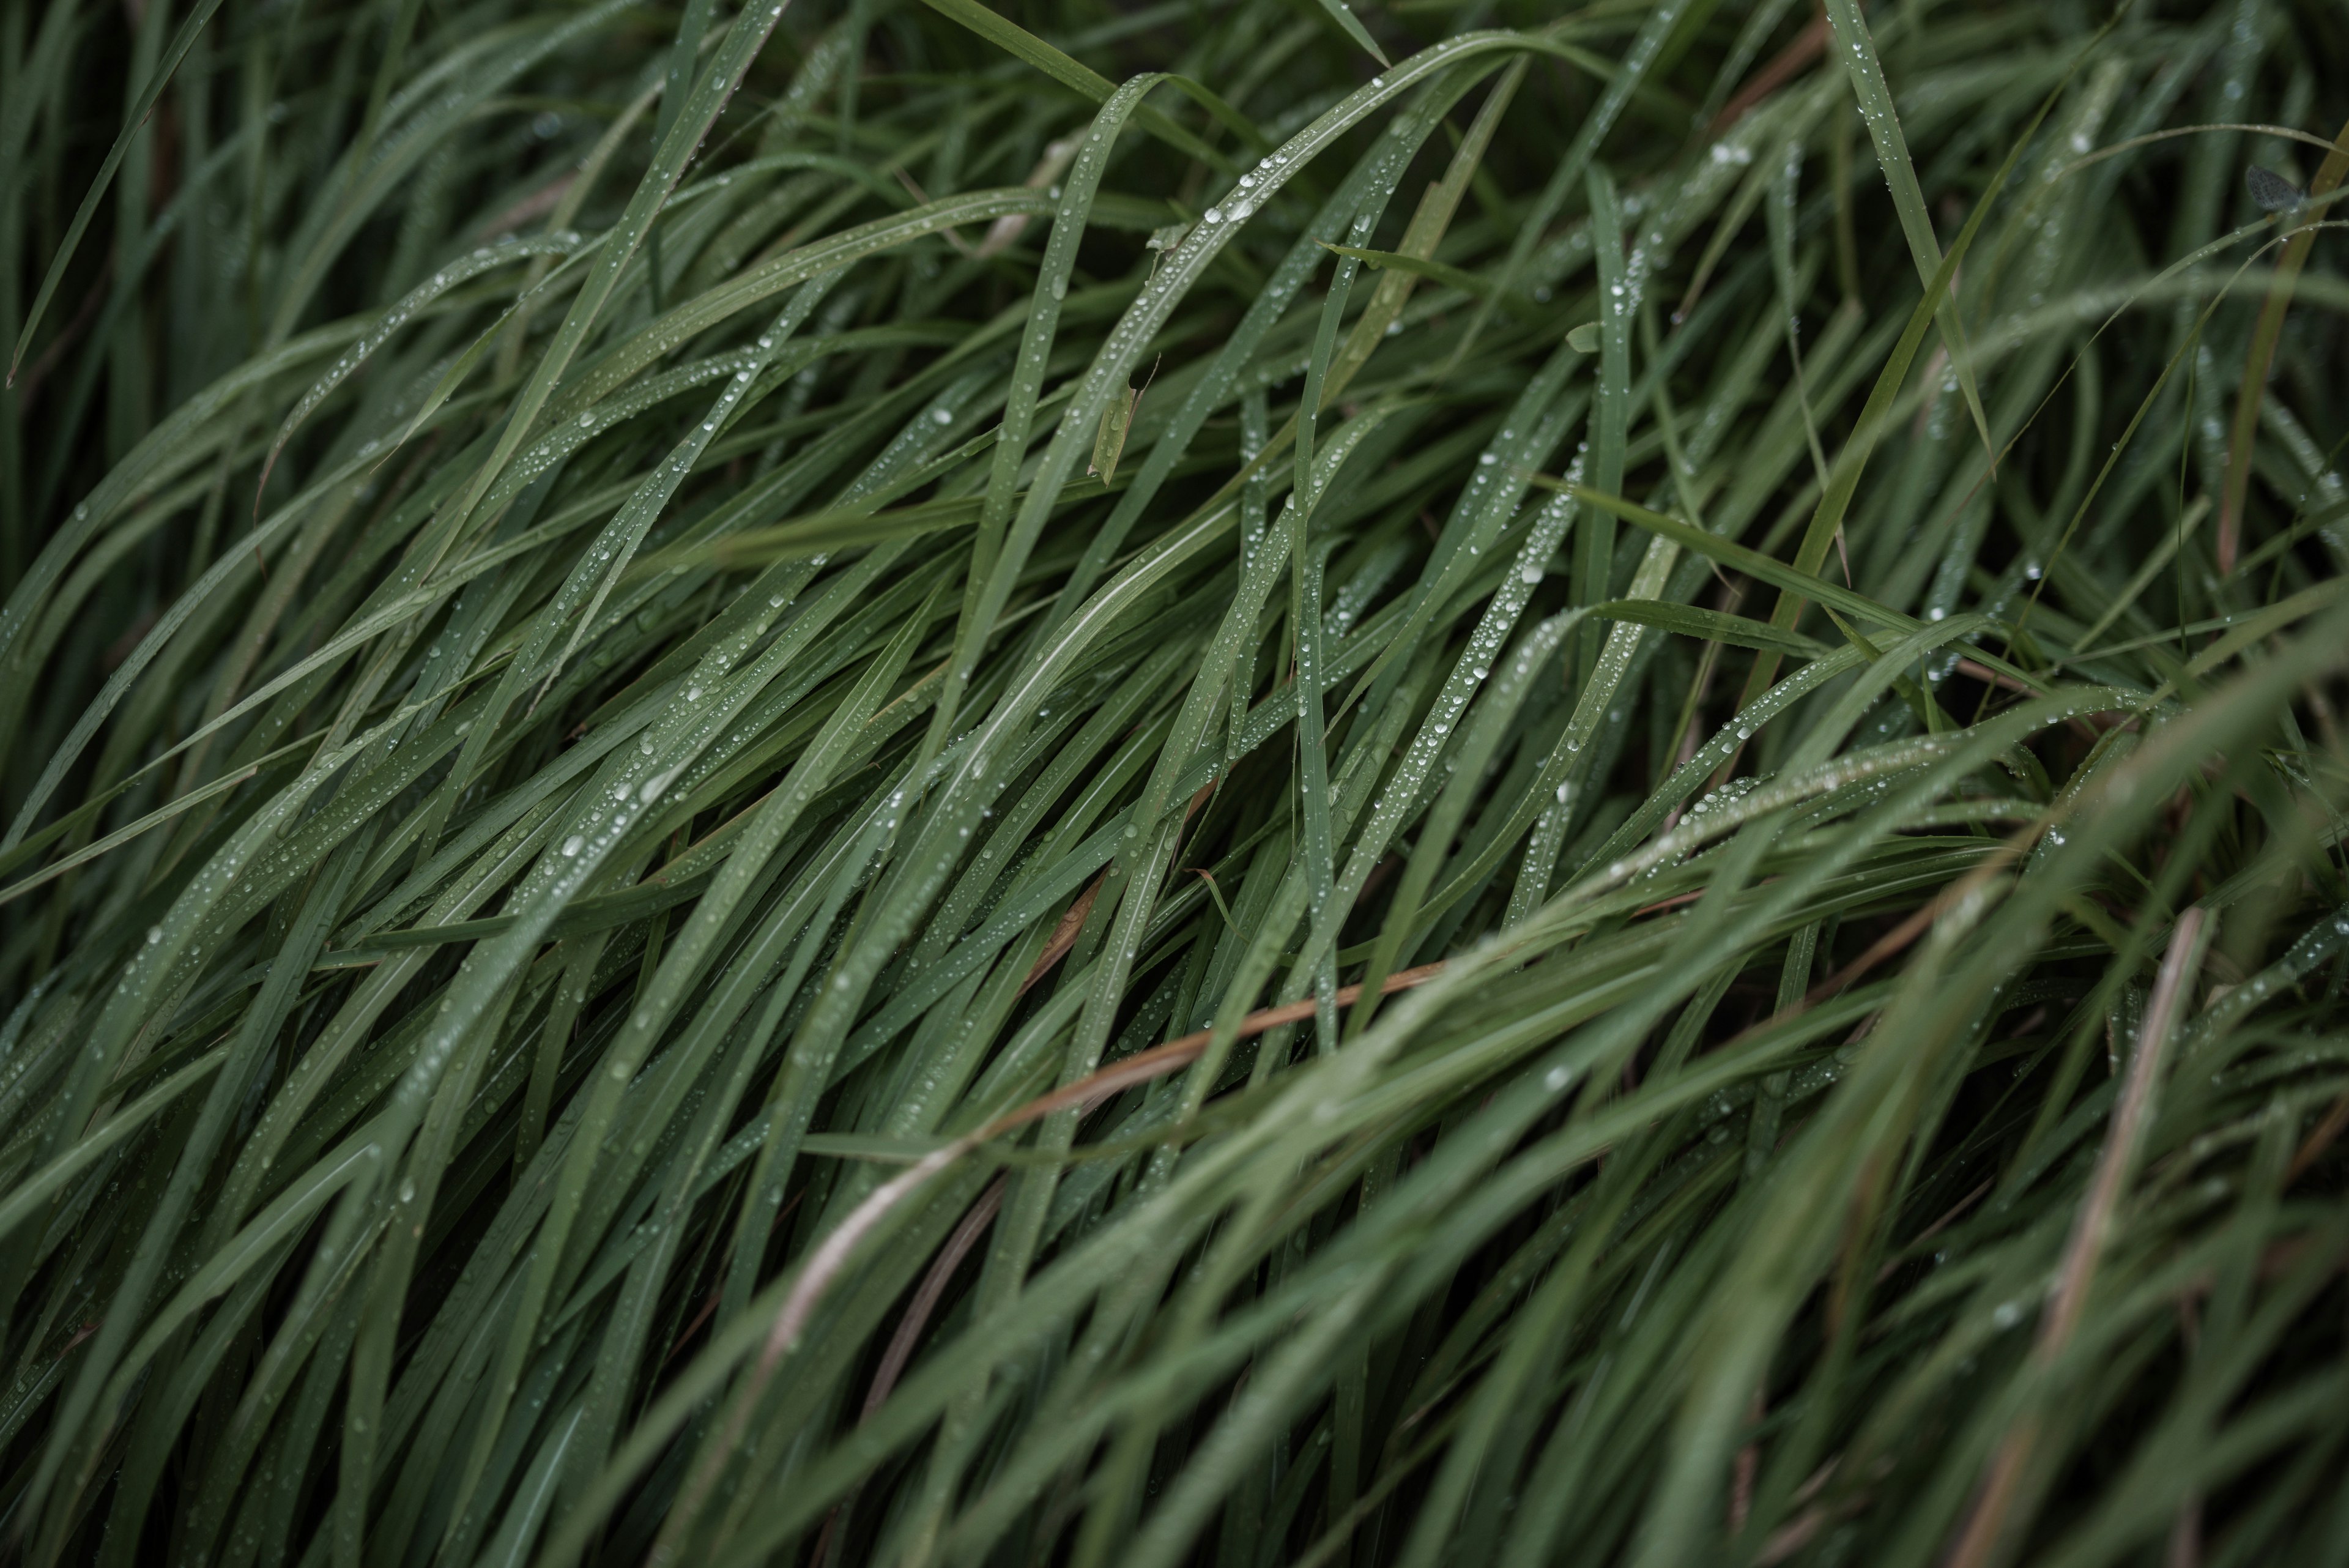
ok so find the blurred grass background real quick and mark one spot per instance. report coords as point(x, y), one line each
point(1223, 782)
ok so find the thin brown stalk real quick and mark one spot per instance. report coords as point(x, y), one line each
point(1990, 1526)
point(830, 1260)
point(916, 1318)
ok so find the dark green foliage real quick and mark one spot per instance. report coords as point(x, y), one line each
point(1653, 875)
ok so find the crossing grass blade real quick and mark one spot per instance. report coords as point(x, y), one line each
point(643, 923)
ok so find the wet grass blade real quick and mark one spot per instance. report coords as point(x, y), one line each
point(967, 783)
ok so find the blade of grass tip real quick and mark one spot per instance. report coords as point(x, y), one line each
point(175, 441)
point(591, 578)
point(1710, 626)
point(1538, 421)
point(1611, 415)
point(1486, 729)
point(402, 34)
point(1866, 73)
point(132, 123)
point(1784, 189)
point(2189, 353)
point(1302, 493)
point(1738, 557)
point(1359, 200)
point(742, 46)
point(1116, 420)
point(1370, 183)
point(1352, 25)
point(1429, 223)
point(627, 528)
point(1556, 793)
point(2008, 1495)
point(1630, 76)
point(2261, 355)
point(676, 83)
point(1077, 76)
point(463, 270)
point(999, 553)
point(1468, 283)
point(1835, 498)
point(2172, 541)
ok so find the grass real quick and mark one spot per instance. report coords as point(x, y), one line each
point(1430, 783)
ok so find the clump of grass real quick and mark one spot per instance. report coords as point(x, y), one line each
point(1649, 870)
